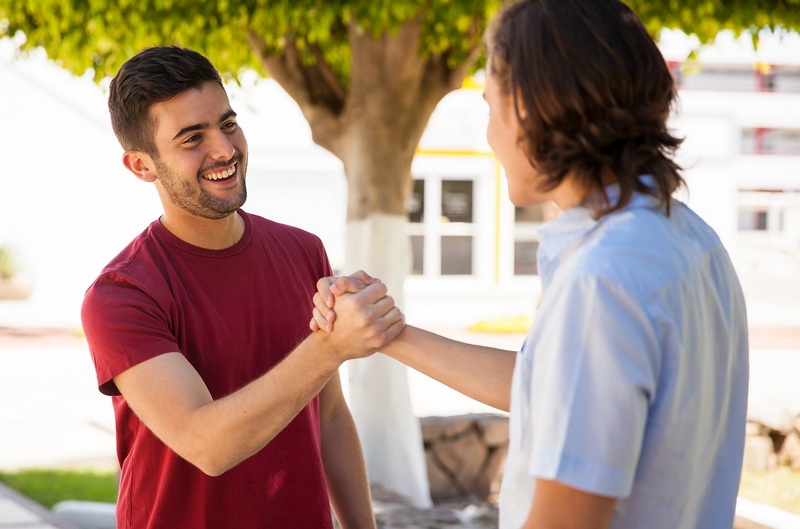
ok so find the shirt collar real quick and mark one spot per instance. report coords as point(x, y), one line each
point(577, 221)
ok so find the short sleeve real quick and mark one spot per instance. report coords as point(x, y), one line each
point(592, 381)
point(123, 327)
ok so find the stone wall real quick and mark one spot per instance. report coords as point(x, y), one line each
point(466, 454)
point(771, 443)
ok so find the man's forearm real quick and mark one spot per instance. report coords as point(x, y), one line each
point(171, 399)
point(346, 472)
point(482, 373)
point(169, 396)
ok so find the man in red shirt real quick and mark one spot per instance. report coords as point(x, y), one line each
point(228, 413)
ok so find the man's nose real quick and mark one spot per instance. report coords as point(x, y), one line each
point(222, 148)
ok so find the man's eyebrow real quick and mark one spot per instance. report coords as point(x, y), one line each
point(201, 126)
point(190, 128)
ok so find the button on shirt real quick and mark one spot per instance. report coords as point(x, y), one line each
point(633, 379)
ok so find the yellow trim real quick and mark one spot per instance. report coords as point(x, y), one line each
point(473, 83)
point(498, 176)
point(435, 152)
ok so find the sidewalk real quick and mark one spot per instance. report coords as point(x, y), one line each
point(18, 512)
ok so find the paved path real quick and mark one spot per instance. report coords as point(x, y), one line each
point(18, 512)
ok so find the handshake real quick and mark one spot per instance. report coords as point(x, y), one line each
point(354, 317)
point(357, 313)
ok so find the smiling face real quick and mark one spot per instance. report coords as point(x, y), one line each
point(201, 154)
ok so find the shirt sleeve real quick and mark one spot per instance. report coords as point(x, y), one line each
point(592, 380)
point(123, 327)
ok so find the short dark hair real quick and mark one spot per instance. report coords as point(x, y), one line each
point(152, 76)
point(597, 94)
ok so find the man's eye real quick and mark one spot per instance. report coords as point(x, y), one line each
point(230, 125)
point(192, 139)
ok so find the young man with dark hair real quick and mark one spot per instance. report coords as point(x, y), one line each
point(628, 400)
point(228, 414)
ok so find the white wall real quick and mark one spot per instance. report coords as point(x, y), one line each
point(66, 203)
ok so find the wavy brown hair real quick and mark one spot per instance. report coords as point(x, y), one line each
point(596, 91)
point(152, 76)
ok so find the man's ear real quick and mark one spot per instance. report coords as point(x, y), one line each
point(140, 164)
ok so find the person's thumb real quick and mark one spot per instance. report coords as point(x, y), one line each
point(347, 285)
point(364, 277)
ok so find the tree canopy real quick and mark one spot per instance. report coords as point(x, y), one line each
point(706, 18)
point(101, 34)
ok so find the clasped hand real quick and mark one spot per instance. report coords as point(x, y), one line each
point(366, 317)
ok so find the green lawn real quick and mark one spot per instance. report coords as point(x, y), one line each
point(779, 488)
point(48, 487)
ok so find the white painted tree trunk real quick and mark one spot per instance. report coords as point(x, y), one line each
point(380, 400)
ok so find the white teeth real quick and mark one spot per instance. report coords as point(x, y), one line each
point(222, 174)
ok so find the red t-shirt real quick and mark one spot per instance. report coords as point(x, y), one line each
point(234, 314)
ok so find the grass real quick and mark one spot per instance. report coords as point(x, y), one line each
point(779, 488)
point(48, 487)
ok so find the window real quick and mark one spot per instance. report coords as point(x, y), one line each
point(752, 219)
point(709, 77)
point(456, 255)
point(416, 203)
point(457, 201)
point(441, 214)
point(743, 77)
point(525, 263)
point(771, 141)
point(527, 221)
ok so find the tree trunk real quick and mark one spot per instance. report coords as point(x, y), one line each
point(378, 172)
point(379, 394)
point(374, 128)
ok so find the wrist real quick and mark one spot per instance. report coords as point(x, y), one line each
point(327, 351)
point(393, 349)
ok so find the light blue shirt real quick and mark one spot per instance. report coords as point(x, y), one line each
point(633, 379)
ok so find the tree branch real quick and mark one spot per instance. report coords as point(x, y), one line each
point(442, 76)
point(287, 70)
point(328, 78)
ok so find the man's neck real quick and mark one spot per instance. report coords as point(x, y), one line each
point(211, 234)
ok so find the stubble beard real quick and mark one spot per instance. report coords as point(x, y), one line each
point(195, 200)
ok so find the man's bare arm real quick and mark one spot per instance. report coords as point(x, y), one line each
point(481, 373)
point(169, 396)
point(345, 468)
point(559, 506)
